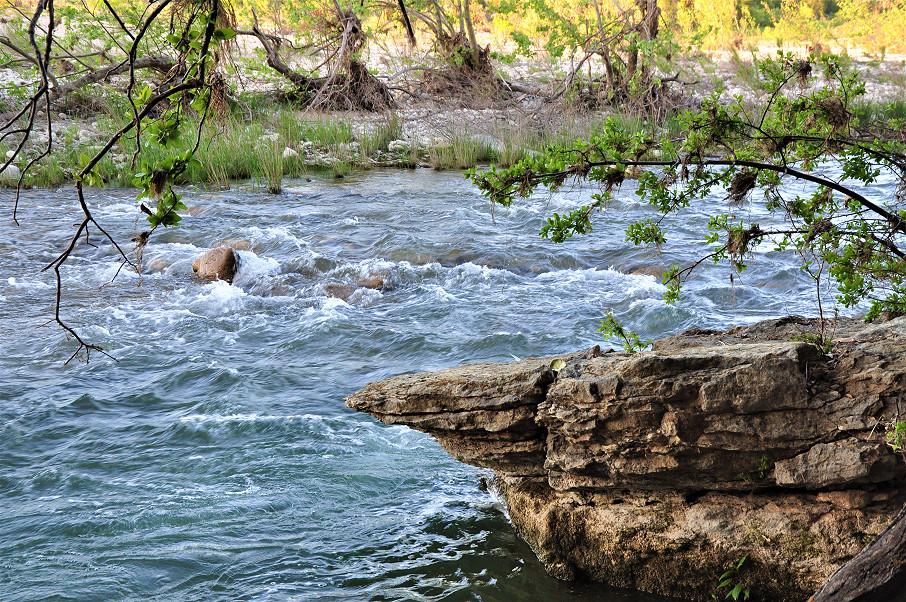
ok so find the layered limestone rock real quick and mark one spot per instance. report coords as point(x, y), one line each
point(657, 471)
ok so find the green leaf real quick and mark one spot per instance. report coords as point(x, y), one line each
point(223, 34)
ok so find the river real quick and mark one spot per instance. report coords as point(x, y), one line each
point(215, 460)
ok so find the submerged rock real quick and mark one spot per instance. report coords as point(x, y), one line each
point(237, 244)
point(217, 264)
point(340, 291)
point(158, 265)
point(196, 210)
point(659, 470)
point(374, 281)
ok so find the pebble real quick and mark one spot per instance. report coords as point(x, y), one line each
point(398, 146)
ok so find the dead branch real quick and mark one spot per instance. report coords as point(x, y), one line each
point(876, 573)
point(407, 23)
point(161, 64)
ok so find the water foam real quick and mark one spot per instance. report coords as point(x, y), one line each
point(219, 297)
point(629, 283)
point(254, 269)
point(28, 284)
point(271, 234)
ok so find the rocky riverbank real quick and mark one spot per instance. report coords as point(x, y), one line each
point(659, 470)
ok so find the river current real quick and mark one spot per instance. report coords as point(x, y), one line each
point(215, 459)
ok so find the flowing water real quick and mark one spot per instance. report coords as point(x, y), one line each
point(215, 460)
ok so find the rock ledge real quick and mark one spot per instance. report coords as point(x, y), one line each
point(656, 471)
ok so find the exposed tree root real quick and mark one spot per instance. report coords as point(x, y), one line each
point(348, 86)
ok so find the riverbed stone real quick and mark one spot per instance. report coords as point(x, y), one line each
point(220, 263)
point(397, 146)
point(658, 470)
point(10, 174)
point(340, 291)
point(237, 244)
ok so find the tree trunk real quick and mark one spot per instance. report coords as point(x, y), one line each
point(876, 574)
point(407, 22)
point(473, 43)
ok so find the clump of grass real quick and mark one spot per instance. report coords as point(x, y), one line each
point(415, 152)
point(515, 143)
point(231, 148)
point(867, 111)
point(48, 173)
point(461, 151)
point(441, 156)
point(326, 132)
point(340, 168)
point(270, 166)
point(290, 126)
point(379, 138)
point(747, 71)
point(220, 159)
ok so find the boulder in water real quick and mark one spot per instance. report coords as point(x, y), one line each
point(633, 172)
point(217, 264)
point(340, 291)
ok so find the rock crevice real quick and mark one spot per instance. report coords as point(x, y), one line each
point(656, 471)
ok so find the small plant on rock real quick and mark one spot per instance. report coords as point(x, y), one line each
point(613, 329)
point(730, 581)
point(896, 436)
point(822, 343)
